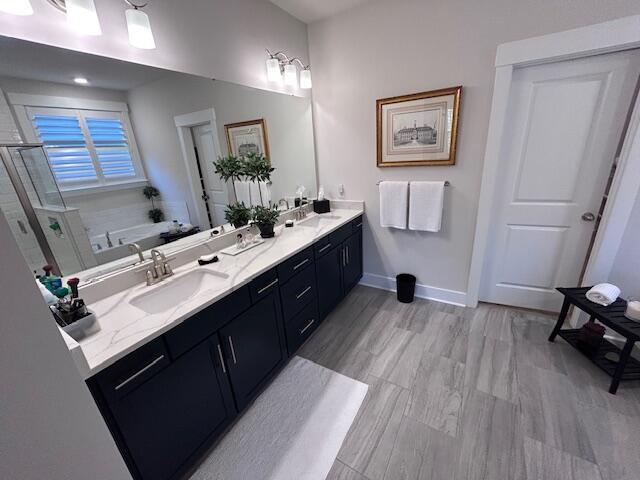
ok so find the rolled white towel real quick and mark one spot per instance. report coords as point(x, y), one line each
point(603, 294)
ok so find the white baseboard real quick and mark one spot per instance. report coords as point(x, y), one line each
point(443, 295)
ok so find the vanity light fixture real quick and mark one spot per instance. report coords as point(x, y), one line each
point(280, 66)
point(139, 27)
point(16, 7)
point(83, 17)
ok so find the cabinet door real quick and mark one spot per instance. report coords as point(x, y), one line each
point(164, 420)
point(352, 269)
point(254, 346)
point(329, 278)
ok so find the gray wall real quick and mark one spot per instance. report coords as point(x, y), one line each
point(387, 48)
point(222, 39)
point(626, 268)
point(51, 428)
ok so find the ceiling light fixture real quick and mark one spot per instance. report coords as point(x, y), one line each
point(83, 17)
point(16, 7)
point(81, 81)
point(139, 27)
point(280, 66)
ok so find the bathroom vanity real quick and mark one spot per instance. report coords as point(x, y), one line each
point(172, 379)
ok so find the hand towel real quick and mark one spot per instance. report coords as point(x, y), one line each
point(249, 193)
point(603, 294)
point(425, 206)
point(393, 204)
point(242, 192)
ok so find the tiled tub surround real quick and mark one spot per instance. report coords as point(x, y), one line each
point(124, 328)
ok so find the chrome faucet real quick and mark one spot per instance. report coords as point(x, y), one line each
point(161, 268)
point(301, 212)
point(135, 248)
point(286, 202)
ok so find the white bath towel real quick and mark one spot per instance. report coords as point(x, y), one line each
point(425, 206)
point(242, 191)
point(393, 204)
point(603, 294)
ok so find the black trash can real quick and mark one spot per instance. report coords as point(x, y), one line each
point(405, 287)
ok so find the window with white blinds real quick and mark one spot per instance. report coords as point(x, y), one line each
point(86, 148)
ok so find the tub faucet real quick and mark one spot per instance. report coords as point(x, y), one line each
point(286, 202)
point(135, 248)
point(108, 237)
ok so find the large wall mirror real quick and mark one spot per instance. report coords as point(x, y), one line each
point(98, 154)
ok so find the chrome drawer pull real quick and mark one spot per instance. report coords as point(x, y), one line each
point(359, 225)
point(224, 369)
point(233, 351)
point(307, 327)
point(303, 293)
point(301, 264)
point(140, 372)
point(268, 286)
point(348, 260)
point(324, 248)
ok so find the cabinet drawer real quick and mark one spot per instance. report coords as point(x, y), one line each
point(322, 247)
point(356, 224)
point(341, 234)
point(133, 370)
point(298, 292)
point(295, 264)
point(301, 327)
point(263, 285)
point(203, 324)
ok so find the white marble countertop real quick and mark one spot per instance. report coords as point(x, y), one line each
point(123, 327)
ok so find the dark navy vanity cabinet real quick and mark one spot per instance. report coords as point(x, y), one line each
point(169, 400)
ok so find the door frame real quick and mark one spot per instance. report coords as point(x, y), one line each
point(184, 123)
point(608, 37)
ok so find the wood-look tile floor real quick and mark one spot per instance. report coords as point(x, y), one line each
point(471, 394)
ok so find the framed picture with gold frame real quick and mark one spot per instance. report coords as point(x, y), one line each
point(247, 137)
point(418, 129)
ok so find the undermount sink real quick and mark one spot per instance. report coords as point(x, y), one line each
point(318, 221)
point(176, 290)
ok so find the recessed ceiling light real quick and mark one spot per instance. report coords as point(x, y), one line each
point(81, 81)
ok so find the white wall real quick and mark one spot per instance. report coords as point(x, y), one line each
point(51, 428)
point(626, 268)
point(387, 48)
point(222, 39)
point(289, 128)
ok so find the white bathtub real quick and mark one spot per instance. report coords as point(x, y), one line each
point(146, 235)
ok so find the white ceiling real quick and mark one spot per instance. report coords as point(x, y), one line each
point(34, 61)
point(313, 10)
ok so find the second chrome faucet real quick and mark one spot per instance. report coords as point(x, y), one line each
point(160, 269)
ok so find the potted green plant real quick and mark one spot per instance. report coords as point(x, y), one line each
point(156, 215)
point(257, 168)
point(230, 168)
point(237, 214)
point(265, 218)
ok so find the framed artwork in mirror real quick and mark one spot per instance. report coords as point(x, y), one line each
point(247, 137)
point(418, 129)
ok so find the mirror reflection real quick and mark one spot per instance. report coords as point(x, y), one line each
point(106, 154)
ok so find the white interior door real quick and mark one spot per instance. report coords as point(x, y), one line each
point(565, 120)
point(217, 195)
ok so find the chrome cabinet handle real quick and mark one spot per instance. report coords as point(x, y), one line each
point(588, 217)
point(224, 369)
point(324, 248)
point(313, 320)
point(303, 293)
point(306, 260)
point(233, 351)
point(359, 225)
point(344, 257)
point(268, 286)
point(348, 259)
point(139, 372)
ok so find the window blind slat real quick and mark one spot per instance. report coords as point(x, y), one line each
point(112, 147)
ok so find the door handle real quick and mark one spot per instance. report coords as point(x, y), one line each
point(233, 351)
point(224, 369)
point(304, 262)
point(303, 293)
point(588, 217)
point(311, 322)
point(267, 287)
point(348, 259)
point(139, 372)
point(324, 248)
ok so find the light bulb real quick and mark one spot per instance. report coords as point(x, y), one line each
point(273, 70)
point(81, 81)
point(305, 79)
point(16, 7)
point(82, 16)
point(291, 75)
point(139, 27)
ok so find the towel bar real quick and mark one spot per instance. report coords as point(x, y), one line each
point(446, 182)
